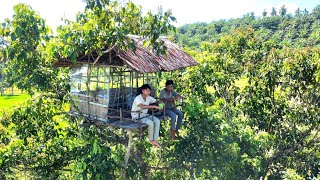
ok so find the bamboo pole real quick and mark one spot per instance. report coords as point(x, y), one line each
point(121, 116)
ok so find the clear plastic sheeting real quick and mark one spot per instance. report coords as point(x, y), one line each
point(109, 88)
point(78, 79)
point(99, 79)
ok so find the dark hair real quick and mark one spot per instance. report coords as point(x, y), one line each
point(145, 86)
point(169, 82)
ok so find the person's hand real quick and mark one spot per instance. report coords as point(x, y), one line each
point(177, 98)
point(157, 107)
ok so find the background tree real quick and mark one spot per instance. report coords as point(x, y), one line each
point(252, 15)
point(264, 13)
point(293, 31)
point(283, 11)
point(2, 61)
point(273, 11)
point(316, 12)
point(256, 123)
point(305, 12)
point(298, 12)
point(26, 36)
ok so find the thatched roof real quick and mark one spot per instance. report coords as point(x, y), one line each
point(142, 59)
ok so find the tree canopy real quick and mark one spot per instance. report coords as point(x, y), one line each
point(299, 30)
point(251, 105)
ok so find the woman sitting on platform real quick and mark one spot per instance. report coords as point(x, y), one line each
point(140, 106)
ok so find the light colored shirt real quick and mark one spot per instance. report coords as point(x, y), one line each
point(165, 95)
point(135, 106)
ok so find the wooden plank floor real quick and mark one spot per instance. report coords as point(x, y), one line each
point(125, 124)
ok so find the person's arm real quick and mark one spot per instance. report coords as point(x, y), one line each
point(155, 101)
point(142, 106)
point(152, 101)
point(176, 95)
point(168, 99)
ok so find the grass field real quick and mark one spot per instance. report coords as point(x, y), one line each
point(7, 102)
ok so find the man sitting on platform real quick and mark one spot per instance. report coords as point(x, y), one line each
point(168, 95)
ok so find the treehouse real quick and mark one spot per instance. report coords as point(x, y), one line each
point(103, 89)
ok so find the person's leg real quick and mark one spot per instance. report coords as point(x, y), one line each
point(150, 127)
point(156, 126)
point(180, 118)
point(173, 118)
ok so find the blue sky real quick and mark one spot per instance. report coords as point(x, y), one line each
point(186, 11)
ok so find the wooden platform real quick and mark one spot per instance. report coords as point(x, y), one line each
point(124, 124)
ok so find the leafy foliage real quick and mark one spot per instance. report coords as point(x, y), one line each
point(267, 127)
point(27, 66)
point(106, 24)
point(264, 130)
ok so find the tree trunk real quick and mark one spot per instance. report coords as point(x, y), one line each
point(2, 85)
point(88, 86)
point(127, 156)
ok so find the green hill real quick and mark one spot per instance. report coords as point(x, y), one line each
point(294, 30)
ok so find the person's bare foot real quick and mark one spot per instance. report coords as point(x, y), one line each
point(152, 143)
point(177, 133)
point(155, 143)
point(173, 134)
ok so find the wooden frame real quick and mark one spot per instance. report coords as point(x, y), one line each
point(118, 83)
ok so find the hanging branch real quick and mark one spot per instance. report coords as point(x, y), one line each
point(108, 50)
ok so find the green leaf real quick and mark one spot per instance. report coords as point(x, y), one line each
point(66, 50)
point(83, 165)
point(23, 54)
point(11, 53)
point(173, 18)
point(73, 57)
point(95, 147)
point(13, 36)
